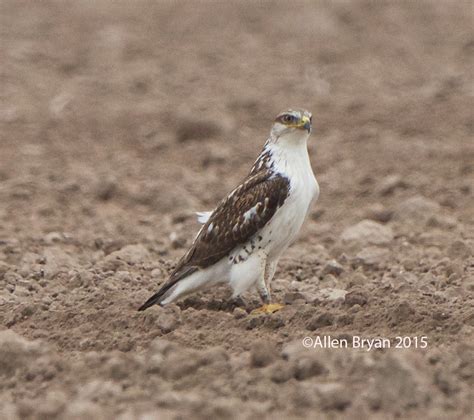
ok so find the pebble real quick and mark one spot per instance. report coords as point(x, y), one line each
point(389, 184)
point(131, 254)
point(262, 354)
point(417, 208)
point(162, 346)
point(292, 297)
point(379, 213)
point(368, 232)
point(371, 257)
point(307, 367)
point(16, 352)
point(57, 261)
point(321, 320)
point(356, 297)
point(331, 294)
point(167, 321)
point(460, 249)
point(281, 372)
point(333, 267)
point(106, 189)
point(333, 396)
point(239, 313)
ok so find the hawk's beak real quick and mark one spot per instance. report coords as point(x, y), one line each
point(306, 123)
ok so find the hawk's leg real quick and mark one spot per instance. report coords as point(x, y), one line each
point(270, 268)
point(263, 286)
point(263, 291)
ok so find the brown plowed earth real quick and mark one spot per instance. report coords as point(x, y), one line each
point(119, 120)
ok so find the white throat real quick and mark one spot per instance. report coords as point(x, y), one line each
point(290, 153)
point(293, 139)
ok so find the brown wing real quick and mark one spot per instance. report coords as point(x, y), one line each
point(234, 221)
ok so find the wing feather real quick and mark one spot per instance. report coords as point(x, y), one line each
point(237, 218)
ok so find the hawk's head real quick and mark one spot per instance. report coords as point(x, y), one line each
point(292, 124)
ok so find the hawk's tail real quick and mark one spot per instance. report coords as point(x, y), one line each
point(168, 287)
point(156, 298)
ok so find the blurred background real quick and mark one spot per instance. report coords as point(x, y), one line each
point(163, 106)
point(119, 119)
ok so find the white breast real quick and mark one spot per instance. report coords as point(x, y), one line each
point(283, 229)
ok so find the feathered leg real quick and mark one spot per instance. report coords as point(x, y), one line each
point(263, 287)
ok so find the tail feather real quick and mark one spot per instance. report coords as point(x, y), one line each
point(156, 298)
point(150, 302)
point(161, 294)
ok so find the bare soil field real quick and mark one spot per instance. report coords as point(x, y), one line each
point(120, 119)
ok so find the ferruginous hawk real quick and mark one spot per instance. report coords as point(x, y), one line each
point(242, 240)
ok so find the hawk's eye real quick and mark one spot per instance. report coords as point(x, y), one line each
point(288, 118)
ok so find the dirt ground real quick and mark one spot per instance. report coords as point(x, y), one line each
point(120, 119)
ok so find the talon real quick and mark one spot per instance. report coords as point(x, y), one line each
point(267, 309)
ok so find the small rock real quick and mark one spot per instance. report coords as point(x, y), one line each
point(51, 405)
point(99, 389)
point(408, 388)
point(214, 355)
point(17, 352)
point(119, 367)
point(162, 346)
point(275, 321)
point(262, 354)
point(281, 372)
point(57, 261)
point(418, 209)
point(333, 267)
point(181, 364)
point(442, 222)
point(131, 254)
point(344, 319)
point(128, 255)
point(168, 320)
point(125, 276)
point(307, 367)
point(154, 363)
point(389, 184)
point(356, 297)
point(239, 313)
point(106, 189)
point(368, 232)
point(3, 269)
point(292, 297)
point(379, 213)
point(53, 237)
point(309, 297)
point(371, 256)
point(82, 409)
point(255, 321)
point(333, 396)
point(177, 241)
point(331, 294)
point(321, 320)
point(401, 313)
point(292, 350)
point(460, 249)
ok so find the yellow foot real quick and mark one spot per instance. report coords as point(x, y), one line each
point(267, 309)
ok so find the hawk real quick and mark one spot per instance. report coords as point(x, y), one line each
point(242, 239)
